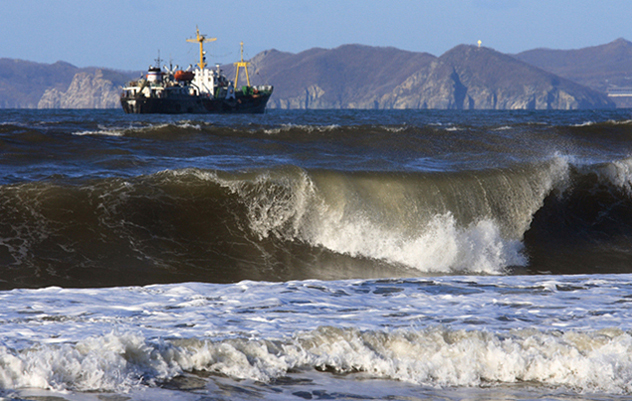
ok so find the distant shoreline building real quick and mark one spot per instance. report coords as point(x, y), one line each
point(620, 91)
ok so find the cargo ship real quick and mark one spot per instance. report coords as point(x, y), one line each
point(202, 90)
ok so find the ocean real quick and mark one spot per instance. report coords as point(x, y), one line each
point(334, 254)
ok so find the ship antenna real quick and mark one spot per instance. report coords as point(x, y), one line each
point(201, 39)
point(240, 64)
point(158, 60)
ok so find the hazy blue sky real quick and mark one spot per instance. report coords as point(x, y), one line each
point(128, 34)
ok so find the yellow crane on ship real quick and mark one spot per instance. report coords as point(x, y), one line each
point(201, 39)
point(241, 64)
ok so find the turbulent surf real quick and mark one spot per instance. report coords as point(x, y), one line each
point(339, 234)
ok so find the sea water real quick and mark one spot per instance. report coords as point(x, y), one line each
point(316, 255)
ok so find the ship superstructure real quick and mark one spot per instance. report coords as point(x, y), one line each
point(201, 90)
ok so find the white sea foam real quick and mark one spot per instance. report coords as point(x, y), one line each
point(620, 122)
point(100, 132)
point(441, 246)
point(590, 361)
point(447, 331)
point(306, 128)
point(189, 124)
point(121, 131)
point(593, 361)
point(107, 363)
point(584, 124)
point(618, 173)
point(612, 122)
point(396, 129)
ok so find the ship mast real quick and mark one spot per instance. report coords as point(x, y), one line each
point(240, 64)
point(201, 39)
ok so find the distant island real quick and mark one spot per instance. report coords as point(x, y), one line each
point(365, 77)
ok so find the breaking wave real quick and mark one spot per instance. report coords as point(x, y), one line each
point(290, 223)
point(586, 361)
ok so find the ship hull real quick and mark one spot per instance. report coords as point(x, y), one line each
point(254, 104)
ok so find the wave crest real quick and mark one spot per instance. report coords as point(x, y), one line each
point(587, 361)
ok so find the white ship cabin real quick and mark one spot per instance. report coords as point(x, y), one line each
point(158, 84)
point(207, 81)
point(151, 86)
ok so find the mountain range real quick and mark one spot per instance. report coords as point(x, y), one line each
point(26, 84)
point(365, 77)
point(601, 68)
